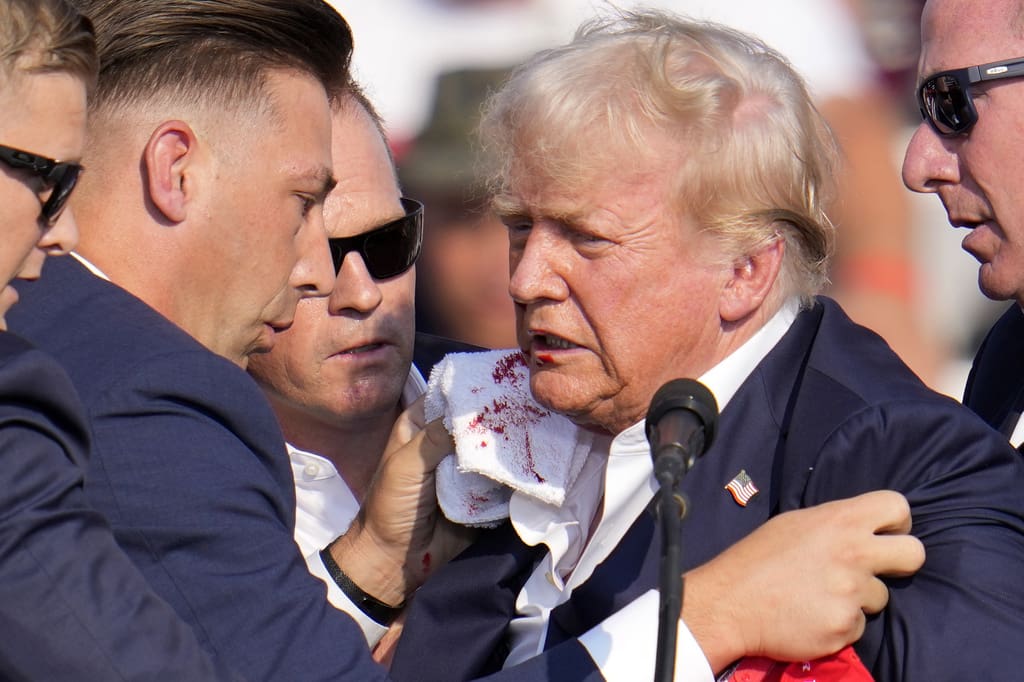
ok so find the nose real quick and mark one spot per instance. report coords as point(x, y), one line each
point(537, 261)
point(62, 237)
point(313, 274)
point(354, 287)
point(929, 161)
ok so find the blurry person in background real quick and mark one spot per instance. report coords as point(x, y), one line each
point(462, 287)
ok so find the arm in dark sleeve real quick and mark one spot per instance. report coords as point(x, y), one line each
point(72, 605)
point(190, 467)
point(962, 615)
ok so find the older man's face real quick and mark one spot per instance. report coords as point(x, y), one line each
point(977, 175)
point(615, 292)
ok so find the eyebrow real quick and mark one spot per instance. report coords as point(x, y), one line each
point(321, 175)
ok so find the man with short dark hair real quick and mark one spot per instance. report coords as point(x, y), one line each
point(73, 606)
point(209, 154)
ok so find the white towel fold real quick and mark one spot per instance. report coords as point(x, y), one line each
point(504, 440)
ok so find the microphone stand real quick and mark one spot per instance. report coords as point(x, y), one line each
point(681, 424)
point(671, 508)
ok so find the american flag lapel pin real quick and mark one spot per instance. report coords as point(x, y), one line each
point(742, 488)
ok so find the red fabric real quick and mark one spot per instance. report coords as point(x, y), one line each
point(845, 666)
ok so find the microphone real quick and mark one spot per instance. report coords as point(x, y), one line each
point(681, 425)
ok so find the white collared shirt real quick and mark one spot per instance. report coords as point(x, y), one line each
point(324, 509)
point(623, 646)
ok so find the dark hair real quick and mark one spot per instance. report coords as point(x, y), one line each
point(213, 50)
point(46, 36)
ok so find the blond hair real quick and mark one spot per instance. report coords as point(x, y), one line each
point(753, 158)
point(45, 36)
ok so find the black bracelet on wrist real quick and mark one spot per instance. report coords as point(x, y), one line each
point(377, 610)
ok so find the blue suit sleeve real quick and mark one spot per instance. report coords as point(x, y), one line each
point(962, 615)
point(191, 469)
point(72, 605)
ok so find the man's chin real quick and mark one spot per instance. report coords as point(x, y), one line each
point(993, 287)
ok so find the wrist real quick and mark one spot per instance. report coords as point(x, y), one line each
point(378, 611)
point(370, 568)
point(717, 634)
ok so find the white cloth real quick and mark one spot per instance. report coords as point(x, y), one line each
point(504, 440)
point(623, 477)
point(324, 509)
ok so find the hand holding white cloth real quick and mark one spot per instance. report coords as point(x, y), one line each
point(504, 440)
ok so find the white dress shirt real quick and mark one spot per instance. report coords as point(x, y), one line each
point(620, 469)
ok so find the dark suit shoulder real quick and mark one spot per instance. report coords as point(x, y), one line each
point(189, 466)
point(859, 360)
point(99, 332)
point(862, 422)
point(73, 605)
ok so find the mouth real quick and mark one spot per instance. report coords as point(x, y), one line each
point(544, 346)
point(365, 348)
point(552, 342)
point(965, 223)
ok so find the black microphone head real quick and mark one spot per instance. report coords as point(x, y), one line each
point(685, 394)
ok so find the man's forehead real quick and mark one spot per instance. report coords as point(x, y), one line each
point(960, 33)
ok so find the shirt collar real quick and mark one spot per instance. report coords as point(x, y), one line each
point(725, 378)
point(89, 265)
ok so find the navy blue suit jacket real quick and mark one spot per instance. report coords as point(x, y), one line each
point(995, 386)
point(72, 606)
point(189, 466)
point(830, 413)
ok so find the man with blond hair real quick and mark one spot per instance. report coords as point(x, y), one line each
point(662, 182)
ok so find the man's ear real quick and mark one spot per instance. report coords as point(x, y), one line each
point(168, 156)
point(753, 278)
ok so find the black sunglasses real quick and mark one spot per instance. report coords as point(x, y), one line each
point(945, 98)
point(59, 176)
point(388, 250)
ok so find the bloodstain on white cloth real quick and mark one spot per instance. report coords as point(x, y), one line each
point(504, 440)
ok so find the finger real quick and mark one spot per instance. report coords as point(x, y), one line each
point(405, 428)
point(897, 556)
point(435, 445)
point(888, 510)
point(876, 596)
point(415, 412)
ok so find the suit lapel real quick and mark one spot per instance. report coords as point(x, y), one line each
point(995, 387)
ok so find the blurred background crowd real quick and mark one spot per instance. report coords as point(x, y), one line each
point(428, 64)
